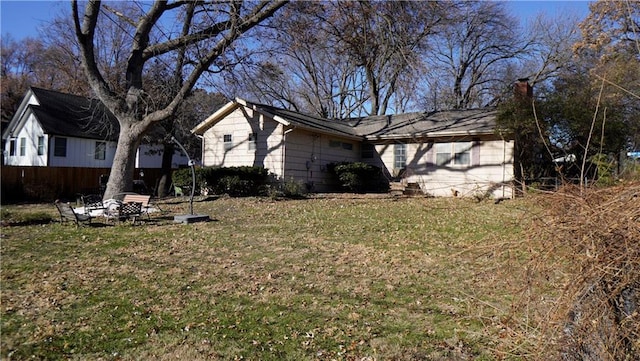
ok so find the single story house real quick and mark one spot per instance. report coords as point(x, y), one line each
point(445, 153)
point(54, 129)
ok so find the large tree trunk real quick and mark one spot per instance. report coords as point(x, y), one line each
point(165, 178)
point(121, 176)
point(210, 39)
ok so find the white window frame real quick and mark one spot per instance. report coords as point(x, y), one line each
point(462, 153)
point(23, 146)
point(443, 154)
point(41, 145)
point(453, 154)
point(253, 141)
point(227, 139)
point(399, 155)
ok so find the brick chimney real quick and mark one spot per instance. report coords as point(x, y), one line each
point(523, 89)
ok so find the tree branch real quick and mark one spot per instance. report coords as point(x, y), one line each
point(85, 33)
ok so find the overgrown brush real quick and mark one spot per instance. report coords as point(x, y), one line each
point(590, 246)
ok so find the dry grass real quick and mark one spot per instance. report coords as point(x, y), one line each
point(334, 278)
point(583, 285)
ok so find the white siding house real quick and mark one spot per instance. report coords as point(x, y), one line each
point(452, 168)
point(53, 129)
point(240, 134)
point(450, 153)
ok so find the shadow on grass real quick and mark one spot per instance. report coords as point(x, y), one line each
point(30, 222)
point(180, 200)
point(167, 219)
point(40, 222)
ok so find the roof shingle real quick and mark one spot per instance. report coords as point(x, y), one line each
point(407, 125)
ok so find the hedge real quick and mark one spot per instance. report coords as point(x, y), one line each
point(234, 181)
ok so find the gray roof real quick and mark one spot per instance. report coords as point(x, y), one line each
point(435, 124)
point(310, 121)
point(74, 116)
point(401, 126)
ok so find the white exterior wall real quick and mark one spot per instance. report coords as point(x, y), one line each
point(308, 154)
point(493, 173)
point(30, 132)
point(81, 154)
point(150, 156)
point(269, 146)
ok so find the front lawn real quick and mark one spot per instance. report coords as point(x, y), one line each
point(316, 279)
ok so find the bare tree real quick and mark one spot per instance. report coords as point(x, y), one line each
point(34, 62)
point(52, 60)
point(213, 30)
point(302, 70)
point(470, 54)
point(384, 39)
point(340, 59)
point(550, 52)
point(15, 74)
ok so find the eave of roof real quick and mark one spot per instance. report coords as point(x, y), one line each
point(215, 117)
point(308, 122)
point(287, 118)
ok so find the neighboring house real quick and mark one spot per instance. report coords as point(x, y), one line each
point(53, 129)
point(446, 153)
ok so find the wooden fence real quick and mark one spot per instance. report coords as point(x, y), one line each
point(21, 184)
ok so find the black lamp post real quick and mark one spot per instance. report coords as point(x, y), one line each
point(190, 218)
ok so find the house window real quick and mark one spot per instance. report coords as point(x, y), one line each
point(228, 141)
point(458, 153)
point(443, 153)
point(41, 145)
point(399, 156)
point(367, 150)
point(253, 141)
point(462, 153)
point(338, 144)
point(12, 147)
point(23, 147)
point(101, 151)
point(60, 147)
